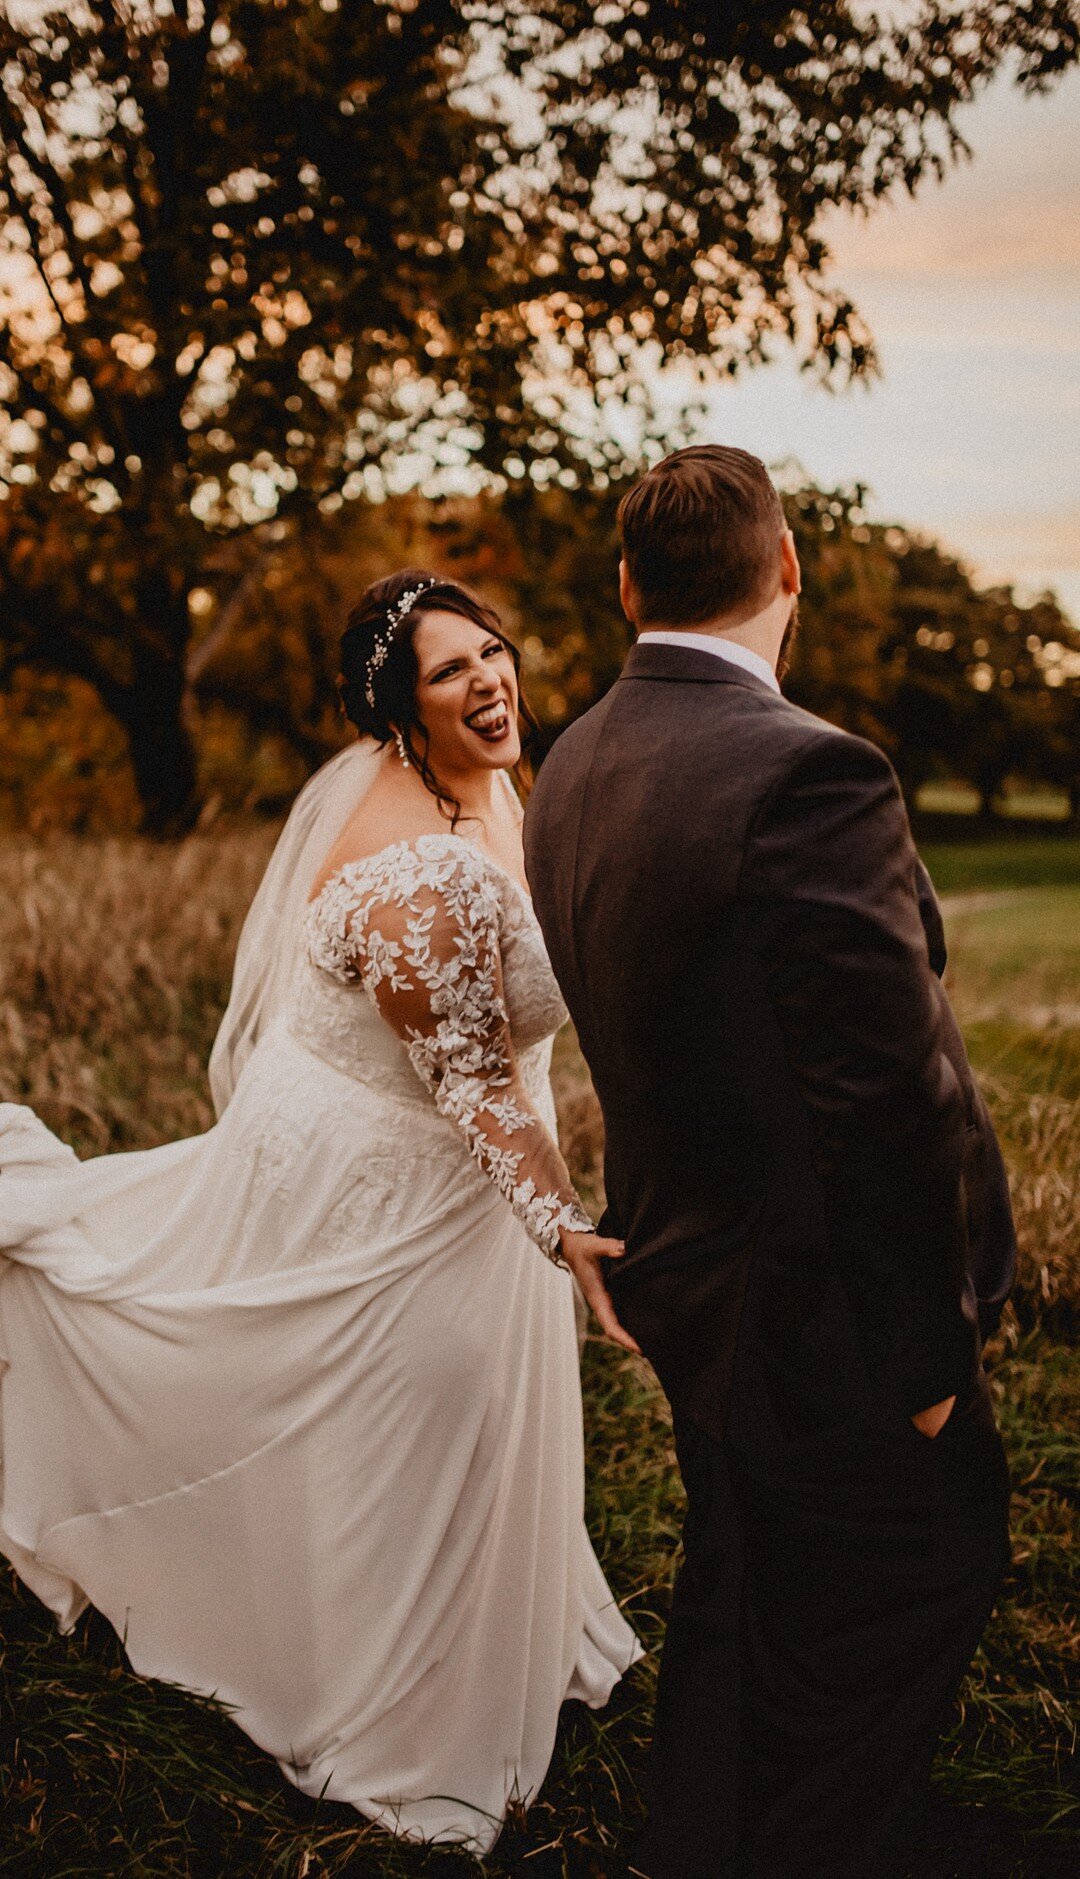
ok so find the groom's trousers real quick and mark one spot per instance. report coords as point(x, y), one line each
point(839, 1568)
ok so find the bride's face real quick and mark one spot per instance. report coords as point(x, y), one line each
point(466, 695)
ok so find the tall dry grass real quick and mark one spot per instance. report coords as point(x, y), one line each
point(115, 959)
point(1040, 1137)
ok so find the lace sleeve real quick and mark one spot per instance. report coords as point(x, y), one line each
point(425, 943)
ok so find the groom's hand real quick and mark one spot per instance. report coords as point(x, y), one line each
point(931, 1421)
point(583, 1253)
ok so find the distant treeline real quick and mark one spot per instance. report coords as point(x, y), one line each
point(895, 642)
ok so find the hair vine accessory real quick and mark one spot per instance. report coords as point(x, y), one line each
point(384, 637)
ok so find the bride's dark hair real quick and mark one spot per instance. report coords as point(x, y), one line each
point(393, 683)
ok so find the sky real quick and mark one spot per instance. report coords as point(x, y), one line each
point(972, 292)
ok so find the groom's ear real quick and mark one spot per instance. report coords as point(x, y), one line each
point(626, 593)
point(790, 571)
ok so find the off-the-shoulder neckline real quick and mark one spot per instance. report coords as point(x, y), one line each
point(414, 841)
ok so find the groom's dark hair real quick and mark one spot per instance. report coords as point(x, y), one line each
point(700, 536)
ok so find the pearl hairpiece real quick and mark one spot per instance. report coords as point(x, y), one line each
point(384, 638)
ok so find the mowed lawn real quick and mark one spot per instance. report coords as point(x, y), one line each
point(1015, 977)
point(114, 962)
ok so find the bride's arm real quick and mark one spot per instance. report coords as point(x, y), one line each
point(427, 950)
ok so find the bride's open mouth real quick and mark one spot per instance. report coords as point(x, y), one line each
point(491, 722)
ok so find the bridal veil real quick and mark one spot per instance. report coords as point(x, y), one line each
point(273, 930)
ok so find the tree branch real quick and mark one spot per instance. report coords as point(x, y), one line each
point(51, 184)
point(33, 396)
point(202, 655)
point(113, 435)
point(47, 176)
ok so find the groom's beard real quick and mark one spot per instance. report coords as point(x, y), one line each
point(791, 631)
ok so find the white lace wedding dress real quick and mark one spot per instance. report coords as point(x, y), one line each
point(295, 1403)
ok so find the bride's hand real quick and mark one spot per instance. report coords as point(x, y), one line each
point(583, 1253)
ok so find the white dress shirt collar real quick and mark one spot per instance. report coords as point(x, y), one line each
point(720, 648)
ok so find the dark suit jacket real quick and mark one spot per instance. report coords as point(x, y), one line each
point(749, 949)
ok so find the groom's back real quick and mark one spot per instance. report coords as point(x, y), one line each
point(635, 839)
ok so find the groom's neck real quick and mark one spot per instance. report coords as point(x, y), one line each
point(761, 632)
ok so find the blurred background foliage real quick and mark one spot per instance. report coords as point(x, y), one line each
point(268, 265)
point(961, 686)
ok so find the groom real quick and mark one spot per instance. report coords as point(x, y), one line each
point(815, 1212)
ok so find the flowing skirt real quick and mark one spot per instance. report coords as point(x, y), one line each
point(296, 1405)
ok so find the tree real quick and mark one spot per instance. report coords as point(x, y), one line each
point(897, 644)
point(266, 256)
point(989, 685)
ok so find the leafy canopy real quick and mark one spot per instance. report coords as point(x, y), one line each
point(262, 253)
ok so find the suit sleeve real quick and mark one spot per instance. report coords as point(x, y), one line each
point(830, 891)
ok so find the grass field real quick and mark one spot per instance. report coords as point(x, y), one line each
point(114, 961)
point(1003, 862)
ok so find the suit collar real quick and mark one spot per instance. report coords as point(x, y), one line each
point(688, 666)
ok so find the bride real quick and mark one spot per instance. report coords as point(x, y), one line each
point(295, 1403)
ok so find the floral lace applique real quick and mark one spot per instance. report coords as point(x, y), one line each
point(418, 925)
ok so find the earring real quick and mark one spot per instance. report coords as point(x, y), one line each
point(401, 750)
